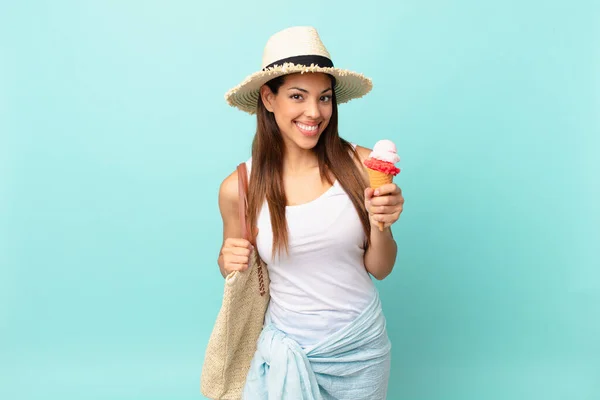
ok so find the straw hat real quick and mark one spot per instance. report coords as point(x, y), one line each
point(296, 49)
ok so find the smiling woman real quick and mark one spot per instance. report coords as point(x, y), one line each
point(312, 211)
point(301, 103)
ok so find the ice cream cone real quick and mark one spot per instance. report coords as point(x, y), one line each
point(376, 180)
point(380, 166)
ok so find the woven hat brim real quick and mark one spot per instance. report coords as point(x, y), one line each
point(349, 84)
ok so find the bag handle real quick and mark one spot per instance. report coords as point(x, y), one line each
point(243, 201)
point(246, 229)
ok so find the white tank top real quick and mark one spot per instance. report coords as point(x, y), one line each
point(322, 285)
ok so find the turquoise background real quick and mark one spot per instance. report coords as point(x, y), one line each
point(114, 138)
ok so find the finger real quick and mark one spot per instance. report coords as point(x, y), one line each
point(386, 189)
point(382, 209)
point(379, 217)
point(237, 251)
point(368, 193)
point(237, 259)
point(240, 251)
point(386, 218)
point(230, 249)
point(385, 201)
point(238, 267)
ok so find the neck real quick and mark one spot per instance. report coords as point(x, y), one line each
point(298, 161)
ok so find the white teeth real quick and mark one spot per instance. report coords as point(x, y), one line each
point(307, 127)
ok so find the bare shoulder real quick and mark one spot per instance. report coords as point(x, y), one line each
point(363, 154)
point(228, 194)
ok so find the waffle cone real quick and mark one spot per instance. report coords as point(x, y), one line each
point(378, 179)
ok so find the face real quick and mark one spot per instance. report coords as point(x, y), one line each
point(302, 108)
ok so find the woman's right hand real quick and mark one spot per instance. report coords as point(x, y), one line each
point(236, 255)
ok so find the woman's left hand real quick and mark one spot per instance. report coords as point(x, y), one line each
point(384, 204)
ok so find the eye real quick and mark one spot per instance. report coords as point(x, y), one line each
point(326, 99)
point(296, 96)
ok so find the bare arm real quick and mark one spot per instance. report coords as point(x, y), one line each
point(235, 251)
point(381, 255)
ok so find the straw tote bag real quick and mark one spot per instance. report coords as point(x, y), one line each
point(232, 343)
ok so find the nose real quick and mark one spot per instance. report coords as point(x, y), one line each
point(312, 110)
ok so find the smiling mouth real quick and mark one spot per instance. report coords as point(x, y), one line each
point(308, 130)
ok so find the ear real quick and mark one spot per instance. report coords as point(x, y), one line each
point(267, 97)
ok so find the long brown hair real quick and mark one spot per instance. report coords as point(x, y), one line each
point(335, 156)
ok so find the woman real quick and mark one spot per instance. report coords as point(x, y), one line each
point(316, 224)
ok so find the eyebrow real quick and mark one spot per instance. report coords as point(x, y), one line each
point(306, 91)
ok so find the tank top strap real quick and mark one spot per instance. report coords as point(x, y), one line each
point(249, 166)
